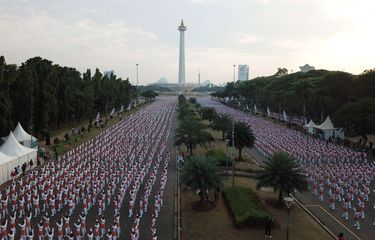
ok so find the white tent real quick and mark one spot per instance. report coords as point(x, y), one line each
point(310, 127)
point(13, 148)
point(7, 165)
point(23, 137)
point(112, 112)
point(97, 117)
point(327, 128)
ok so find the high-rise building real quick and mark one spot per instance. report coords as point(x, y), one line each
point(243, 72)
point(181, 69)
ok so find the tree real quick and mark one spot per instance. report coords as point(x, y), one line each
point(243, 136)
point(193, 100)
point(191, 132)
point(358, 117)
point(281, 71)
point(201, 174)
point(149, 95)
point(207, 113)
point(221, 123)
point(282, 173)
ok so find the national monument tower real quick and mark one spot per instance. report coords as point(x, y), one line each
point(181, 69)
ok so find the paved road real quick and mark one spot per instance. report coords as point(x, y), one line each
point(331, 218)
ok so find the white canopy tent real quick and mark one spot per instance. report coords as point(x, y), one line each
point(310, 127)
point(13, 148)
point(112, 112)
point(327, 128)
point(7, 165)
point(24, 138)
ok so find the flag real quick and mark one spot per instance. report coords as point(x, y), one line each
point(255, 109)
point(268, 112)
point(285, 116)
point(97, 117)
point(112, 112)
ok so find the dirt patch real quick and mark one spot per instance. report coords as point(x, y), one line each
point(203, 206)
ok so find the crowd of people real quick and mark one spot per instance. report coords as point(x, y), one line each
point(338, 176)
point(101, 189)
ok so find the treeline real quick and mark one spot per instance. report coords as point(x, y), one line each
point(42, 95)
point(348, 99)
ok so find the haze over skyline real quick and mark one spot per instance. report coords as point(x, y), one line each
point(117, 34)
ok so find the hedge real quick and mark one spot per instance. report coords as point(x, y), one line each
point(245, 207)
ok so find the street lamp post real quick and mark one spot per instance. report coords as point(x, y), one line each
point(232, 152)
point(137, 73)
point(234, 72)
point(288, 203)
point(226, 155)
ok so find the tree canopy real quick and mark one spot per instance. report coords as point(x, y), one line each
point(44, 95)
point(282, 173)
point(314, 94)
point(200, 174)
point(243, 136)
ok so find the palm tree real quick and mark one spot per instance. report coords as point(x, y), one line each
point(207, 113)
point(221, 123)
point(190, 132)
point(282, 173)
point(200, 174)
point(243, 137)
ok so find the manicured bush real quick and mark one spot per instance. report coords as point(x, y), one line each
point(66, 136)
point(245, 207)
point(56, 140)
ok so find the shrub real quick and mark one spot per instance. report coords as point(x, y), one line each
point(245, 207)
point(66, 136)
point(56, 140)
point(220, 157)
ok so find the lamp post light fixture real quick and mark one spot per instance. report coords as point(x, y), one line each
point(226, 155)
point(289, 201)
point(137, 73)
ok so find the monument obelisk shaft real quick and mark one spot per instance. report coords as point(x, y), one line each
point(181, 69)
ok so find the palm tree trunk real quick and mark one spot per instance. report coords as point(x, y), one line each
point(191, 149)
point(280, 196)
point(240, 153)
point(223, 135)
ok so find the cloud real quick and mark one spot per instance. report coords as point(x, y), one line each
point(247, 38)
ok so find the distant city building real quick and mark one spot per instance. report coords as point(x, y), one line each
point(109, 73)
point(306, 68)
point(243, 72)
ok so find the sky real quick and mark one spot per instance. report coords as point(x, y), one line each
point(118, 34)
